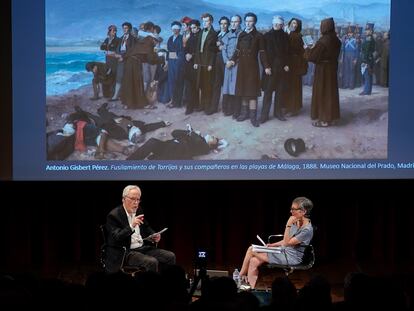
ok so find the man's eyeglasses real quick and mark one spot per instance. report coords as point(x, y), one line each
point(295, 209)
point(134, 199)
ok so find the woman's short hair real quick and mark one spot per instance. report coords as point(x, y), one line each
point(304, 204)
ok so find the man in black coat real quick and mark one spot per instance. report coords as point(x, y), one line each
point(127, 227)
point(276, 76)
point(184, 146)
point(191, 98)
point(205, 56)
point(250, 47)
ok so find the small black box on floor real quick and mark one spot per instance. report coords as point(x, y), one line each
point(215, 273)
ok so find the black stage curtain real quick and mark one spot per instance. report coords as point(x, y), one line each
point(52, 225)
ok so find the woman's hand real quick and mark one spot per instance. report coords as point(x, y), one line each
point(291, 220)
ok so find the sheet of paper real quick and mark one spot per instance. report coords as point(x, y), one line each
point(260, 239)
point(266, 249)
point(159, 232)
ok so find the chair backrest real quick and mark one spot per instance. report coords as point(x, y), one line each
point(102, 228)
point(308, 259)
point(131, 270)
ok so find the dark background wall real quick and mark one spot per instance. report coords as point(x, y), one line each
point(50, 226)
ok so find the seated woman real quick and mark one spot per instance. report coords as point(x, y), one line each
point(298, 234)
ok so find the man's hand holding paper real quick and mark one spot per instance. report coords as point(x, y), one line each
point(155, 237)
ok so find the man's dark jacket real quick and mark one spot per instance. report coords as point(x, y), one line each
point(118, 234)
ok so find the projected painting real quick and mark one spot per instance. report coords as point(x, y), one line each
point(201, 80)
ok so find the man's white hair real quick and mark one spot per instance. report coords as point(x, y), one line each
point(128, 188)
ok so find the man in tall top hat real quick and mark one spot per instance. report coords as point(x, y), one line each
point(339, 33)
point(358, 36)
point(315, 33)
point(338, 30)
point(370, 26)
point(367, 59)
point(350, 57)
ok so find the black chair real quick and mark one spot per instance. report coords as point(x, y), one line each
point(308, 259)
point(131, 270)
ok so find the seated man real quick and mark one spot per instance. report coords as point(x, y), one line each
point(184, 146)
point(126, 228)
point(102, 75)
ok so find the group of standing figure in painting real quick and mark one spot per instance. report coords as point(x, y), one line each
point(201, 67)
point(127, 59)
point(364, 58)
point(359, 46)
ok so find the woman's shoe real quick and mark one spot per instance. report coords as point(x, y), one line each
point(245, 287)
point(244, 280)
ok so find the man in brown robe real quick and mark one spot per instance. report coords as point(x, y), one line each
point(325, 95)
point(133, 93)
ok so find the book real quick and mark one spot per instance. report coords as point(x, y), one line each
point(266, 249)
point(260, 239)
point(308, 40)
point(149, 238)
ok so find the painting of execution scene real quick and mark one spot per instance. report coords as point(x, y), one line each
point(217, 80)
